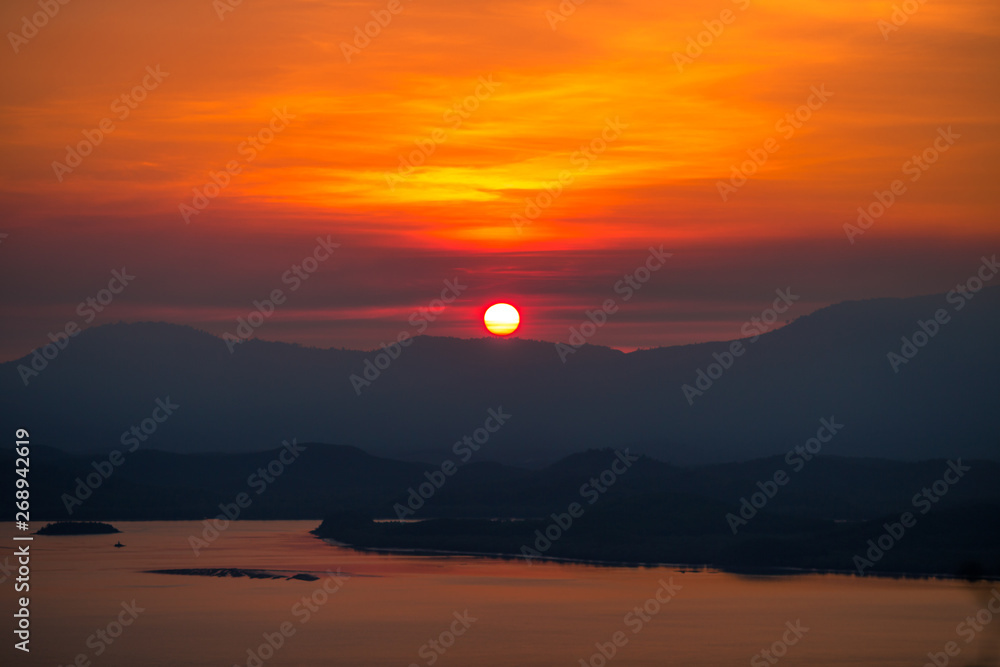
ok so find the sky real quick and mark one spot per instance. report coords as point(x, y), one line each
point(529, 151)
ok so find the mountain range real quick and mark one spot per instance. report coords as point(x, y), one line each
point(834, 365)
point(599, 505)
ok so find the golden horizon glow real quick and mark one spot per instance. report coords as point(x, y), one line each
point(454, 143)
point(529, 97)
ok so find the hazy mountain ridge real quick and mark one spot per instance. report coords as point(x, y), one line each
point(653, 512)
point(831, 363)
point(153, 484)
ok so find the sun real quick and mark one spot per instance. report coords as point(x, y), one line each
point(502, 319)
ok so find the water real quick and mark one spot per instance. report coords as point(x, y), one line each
point(541, 614)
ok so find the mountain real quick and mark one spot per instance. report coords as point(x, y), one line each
point(310, 480)
point(647, 511)
point(831, 364)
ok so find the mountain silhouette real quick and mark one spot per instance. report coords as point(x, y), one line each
point(653, 512)
point(829, 365)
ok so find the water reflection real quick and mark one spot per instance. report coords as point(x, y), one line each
point(540, 615)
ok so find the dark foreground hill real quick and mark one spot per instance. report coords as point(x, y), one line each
point(315, 479)
point(830, 364)
point(670, 529)
point(634, 509)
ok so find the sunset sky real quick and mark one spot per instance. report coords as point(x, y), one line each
point(506, 102)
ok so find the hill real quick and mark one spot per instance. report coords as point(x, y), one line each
point(830, 364)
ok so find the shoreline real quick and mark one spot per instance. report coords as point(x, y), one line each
point(684, 567)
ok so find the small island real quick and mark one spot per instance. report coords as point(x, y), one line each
point(78, 528)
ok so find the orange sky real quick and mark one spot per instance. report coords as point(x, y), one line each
point(554, 92)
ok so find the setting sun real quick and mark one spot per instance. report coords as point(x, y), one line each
point(502, 319)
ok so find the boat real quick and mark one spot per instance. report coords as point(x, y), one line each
point(118, 544)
